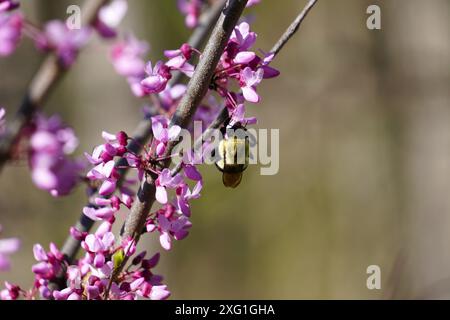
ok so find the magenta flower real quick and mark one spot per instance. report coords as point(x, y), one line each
point(101, 214)
point(244, 57)
point(179, 59)
point(109, 18)
point(184, 195)
point(50, 144)
point(10, 32)
point(127, 57)
point(49, 263)
point(269, 72)
point(166, 181)
point(11, 292)
point(8, 5)
point(115, 146)
point(177, 227)
point(157, 78)
point(103, 156)
point(105, 173)
point(191, 9)
point(188, 163)
point(98, 245)
point(65, 42)
point(243, 36)
point(248, 81)
point(7, 247)
point(163, 134)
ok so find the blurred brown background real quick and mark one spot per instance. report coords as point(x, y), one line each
point(364, 119)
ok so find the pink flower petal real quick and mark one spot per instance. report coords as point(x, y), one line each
point(250, 94)
point(161, 195)
point(244, 57)
point(165, 240)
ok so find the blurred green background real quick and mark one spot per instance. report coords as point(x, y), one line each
point(364, 119)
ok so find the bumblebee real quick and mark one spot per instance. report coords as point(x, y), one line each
point(234, 154)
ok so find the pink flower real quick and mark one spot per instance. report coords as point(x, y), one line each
point(244, 57)
point(115, 146)
point(7, 247)
point(176, 227)
point(179, 59)
point(164, 181)
point(243, 36)
point(248, 82)
point(188, 162)
point(159, 293)
point(11, 292)
point(50, 144)
point(64, 41)
point(103, 156)
point(163, 134)
point(104, 213)
point(184, 195)
point(191, 9)
point(10, 32)
point(157, 78)
point(269, 72)
point(98, 243)
point(49, 263)
point(8, 5)
point(127, 57)
point(99, 246)
point(110, 16)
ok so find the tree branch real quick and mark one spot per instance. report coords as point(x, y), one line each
point(292, 29)
point(199, 84)
point(41, 86)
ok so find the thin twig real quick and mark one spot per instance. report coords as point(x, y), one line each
point(44, 81)
point(293, 27)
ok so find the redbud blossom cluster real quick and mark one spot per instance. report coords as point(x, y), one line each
point(56, 36)
point(240, 70)
point(50, 146)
